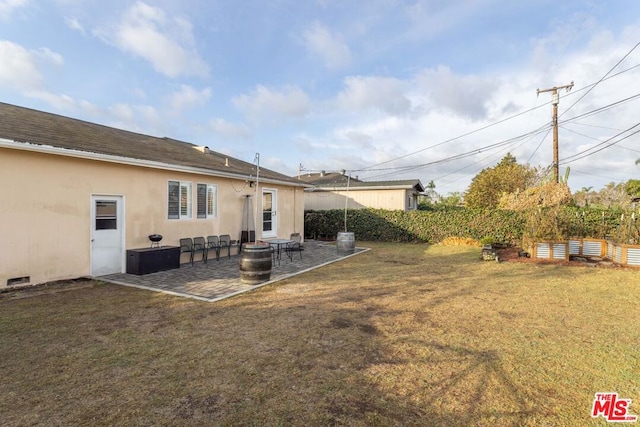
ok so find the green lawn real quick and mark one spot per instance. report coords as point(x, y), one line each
point(401, 335)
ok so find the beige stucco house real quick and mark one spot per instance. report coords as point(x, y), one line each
point(78, 195)
point(337, 191)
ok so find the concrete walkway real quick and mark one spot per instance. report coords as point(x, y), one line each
point(218, 280)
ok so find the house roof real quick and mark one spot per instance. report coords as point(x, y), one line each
point(339, 181)
point(40, 131)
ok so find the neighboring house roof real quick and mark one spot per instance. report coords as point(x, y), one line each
point(337, 182)
point(34, 130)
point(324, 178)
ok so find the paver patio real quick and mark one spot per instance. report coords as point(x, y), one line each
point(219, 279)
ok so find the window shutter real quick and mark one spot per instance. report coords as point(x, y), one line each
point(202, 200)
point(174, 200)
point(185, 200)
point(212, 204)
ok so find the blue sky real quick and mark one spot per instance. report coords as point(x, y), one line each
point(385, 89)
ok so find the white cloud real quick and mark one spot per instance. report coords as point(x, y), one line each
point(447, 105)
point(188, 97)
point(382, 93)
point(7, 7)
point(330, 47)
point(59, 101)
point(89, 108)
point(266, 103)
point(466, 95)
point(228, 130)
point(136, 118)
point(74, 24)
point(23, 71)
point(360, 139)
point(49, 56)
point(122, 112)
point(149, 114)
point(429, 19)
point(147, 32)
point(21, 67)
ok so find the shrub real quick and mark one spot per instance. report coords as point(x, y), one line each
point(436, 225)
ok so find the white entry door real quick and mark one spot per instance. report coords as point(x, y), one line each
point(107, 235)
point(269, 222)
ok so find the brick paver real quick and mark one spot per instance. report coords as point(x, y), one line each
point(216, 280)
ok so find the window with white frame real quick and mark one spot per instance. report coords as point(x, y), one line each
point(207, 201)
point(179, 200)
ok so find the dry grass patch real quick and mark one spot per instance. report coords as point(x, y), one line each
point(402, 335)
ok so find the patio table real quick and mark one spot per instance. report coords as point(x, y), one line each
point(278, 244)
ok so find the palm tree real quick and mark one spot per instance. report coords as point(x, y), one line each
point(583, 192)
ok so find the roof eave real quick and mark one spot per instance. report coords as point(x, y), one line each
point(361, 188)
point(414, 185)
point(87, 155)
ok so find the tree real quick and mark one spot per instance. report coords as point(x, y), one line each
point(490, 184)
point(613, 195)
point(583, 196)
point(633, 188)
point(452, 199)
point(430, 197)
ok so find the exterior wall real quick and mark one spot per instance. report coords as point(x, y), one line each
point(358, 199)
point(411, 200)
point(45, 224)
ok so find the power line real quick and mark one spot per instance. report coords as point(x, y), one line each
point(608, 176)
point(407, 168)
point(601, 109)
point(506, 142)
point(581, 134)
point(588, 87)
point(487, 157)
point(593, 126)
point(602, 79)
point(603, 145)
point(539, 145)
point(456, 138)
point(457, 156)
point(627, 148)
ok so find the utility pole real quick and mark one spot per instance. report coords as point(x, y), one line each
point(555, 100)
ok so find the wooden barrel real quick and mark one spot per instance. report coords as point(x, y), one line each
point(255, 264)
point(346, 243)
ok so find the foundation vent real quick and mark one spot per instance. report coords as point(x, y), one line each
point(19, 281)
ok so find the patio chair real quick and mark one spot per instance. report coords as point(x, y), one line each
point(226, 242)
point(199, 245)
point(296, 246)
point(187, 245)
point(213, 243)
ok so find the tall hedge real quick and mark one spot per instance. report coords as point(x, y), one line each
point(436, 225)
